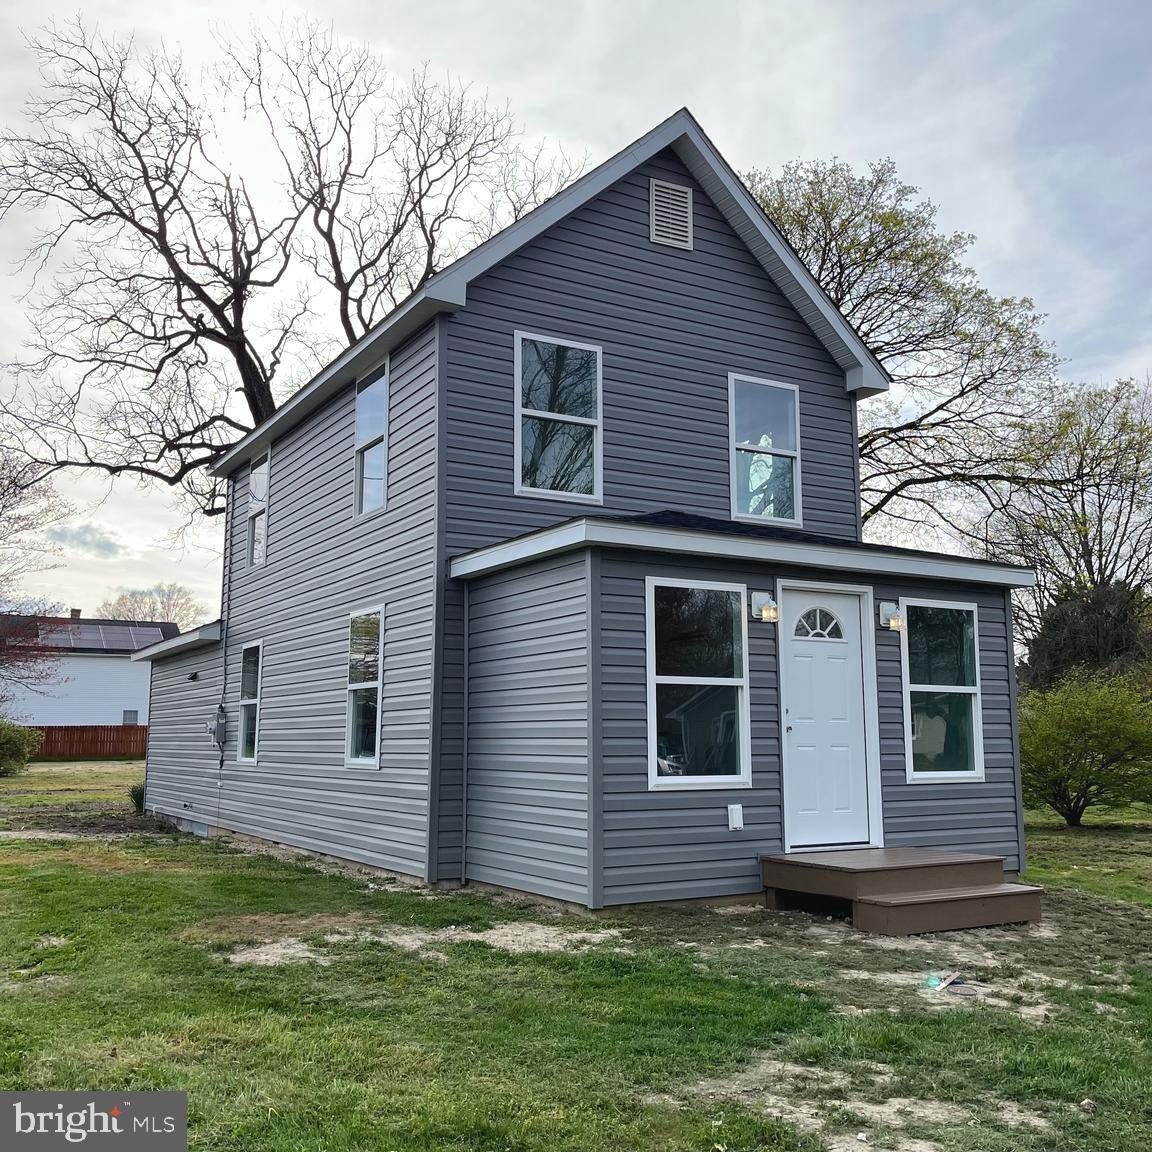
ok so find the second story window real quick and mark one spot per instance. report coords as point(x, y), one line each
point(764, 417)
point(371, 445)
point(257, 535)
point(558, 431)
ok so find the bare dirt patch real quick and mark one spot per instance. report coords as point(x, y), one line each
point(269, 926)
point(516, 937)
point(276, 952)
point(1011, 993)
point(805, 1095)
point(282, 937)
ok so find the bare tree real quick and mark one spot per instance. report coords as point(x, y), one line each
point(175, 305)
point(1088, 525)
point(27, 506)
point(164, 602)
point(968, 365)
point(395, 179)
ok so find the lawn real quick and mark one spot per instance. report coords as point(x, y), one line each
point(306, 1007)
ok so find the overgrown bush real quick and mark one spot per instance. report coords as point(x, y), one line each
point(17, 746)
point(136, 795)
point(1086, 743)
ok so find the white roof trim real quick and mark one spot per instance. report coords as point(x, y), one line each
point(201, 637)
point(448, 290)
point(656, 538)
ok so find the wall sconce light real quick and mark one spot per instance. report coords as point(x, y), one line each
point(764, 608)
point(891, 616)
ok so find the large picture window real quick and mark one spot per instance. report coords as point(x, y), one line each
point(371, 446)
point(558, 418)
point(764, 419)
point(697, 645)
point(943, 732)
point(257, 533)
point(251, 659)
point(363, 733)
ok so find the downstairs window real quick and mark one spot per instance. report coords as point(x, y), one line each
point(943, 734)
point(697, 664)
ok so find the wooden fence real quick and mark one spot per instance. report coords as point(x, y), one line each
point(93, 741)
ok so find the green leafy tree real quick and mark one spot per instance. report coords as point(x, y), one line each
point(17, 746)
point(1086, 743)
point(968, 365)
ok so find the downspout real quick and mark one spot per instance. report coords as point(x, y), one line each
point(464, 747)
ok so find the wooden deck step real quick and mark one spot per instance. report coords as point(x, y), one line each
point(853, 873)
point(946, 909)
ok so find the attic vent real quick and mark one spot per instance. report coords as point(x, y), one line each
point(671, 221)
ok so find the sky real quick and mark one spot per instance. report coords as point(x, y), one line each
point(1026, 122)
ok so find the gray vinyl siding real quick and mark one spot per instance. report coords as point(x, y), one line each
point(672, 845)
point(527, 786)
point(182, 760)
point(672, 325)
point(322, 562)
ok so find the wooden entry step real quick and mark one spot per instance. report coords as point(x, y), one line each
point(902, 891)
point(908, 913)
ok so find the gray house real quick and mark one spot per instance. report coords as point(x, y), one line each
point(555, 581)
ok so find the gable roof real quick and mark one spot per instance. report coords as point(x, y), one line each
point(447, 291)
point(85, 634)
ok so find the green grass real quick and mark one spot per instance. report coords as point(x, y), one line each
point(1110, 855)
point(53, 784)
point(114, 973)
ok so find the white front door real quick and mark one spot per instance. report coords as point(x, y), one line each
point(822, 698)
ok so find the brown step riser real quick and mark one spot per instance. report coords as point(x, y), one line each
point(931, 878)
point(850, 885)
point(947, 916)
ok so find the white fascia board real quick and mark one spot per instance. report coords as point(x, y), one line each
point(201, 637)
point(364, 357)
point(586, 533)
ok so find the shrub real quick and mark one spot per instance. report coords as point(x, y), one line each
point(1086, 743)
point(136, 795)
point(17, 746)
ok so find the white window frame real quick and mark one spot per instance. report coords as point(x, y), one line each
point(362, 446)
point(913, 777)
point(351, 761)
point(656, 782)
point(519, 487)
point(256, 509)
point(245, 700)
point(734, 447)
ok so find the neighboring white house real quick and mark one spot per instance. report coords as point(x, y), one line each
point(95, 680)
